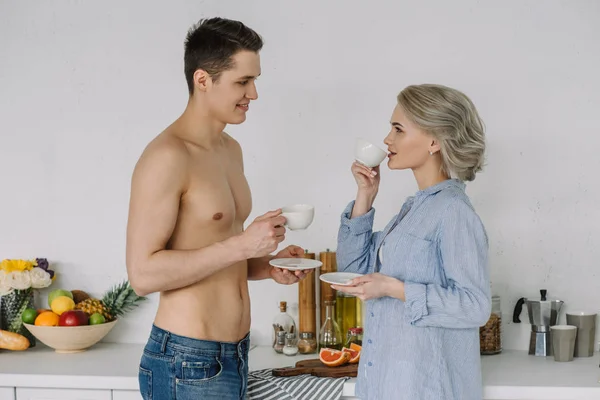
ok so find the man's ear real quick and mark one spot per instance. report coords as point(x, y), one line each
point(202, 80)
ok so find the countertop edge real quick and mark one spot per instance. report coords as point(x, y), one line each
point(265, 358)
point(540, 392)
point(93, 382)
point(131, 384)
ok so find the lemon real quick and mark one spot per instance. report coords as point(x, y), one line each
point(62, 304)
point(58, 292)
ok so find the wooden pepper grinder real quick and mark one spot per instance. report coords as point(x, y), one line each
point(328, 259)
point(307, 301)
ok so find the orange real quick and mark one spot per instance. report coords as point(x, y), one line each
point(355, 347)
point(333, 358)
point(354, 355)
point(47, 318)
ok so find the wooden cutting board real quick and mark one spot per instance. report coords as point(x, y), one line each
point(315, 367)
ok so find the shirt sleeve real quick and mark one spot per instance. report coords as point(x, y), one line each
point(465, 302)
point(356, 244)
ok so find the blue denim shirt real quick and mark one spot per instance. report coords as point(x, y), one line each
point(426, 347)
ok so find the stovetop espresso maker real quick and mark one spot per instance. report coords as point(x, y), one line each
point(543, 314)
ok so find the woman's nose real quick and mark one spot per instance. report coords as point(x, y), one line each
point(387, 140)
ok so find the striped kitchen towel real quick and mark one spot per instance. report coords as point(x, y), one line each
point(262, 385)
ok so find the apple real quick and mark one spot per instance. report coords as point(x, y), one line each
point(73, 318)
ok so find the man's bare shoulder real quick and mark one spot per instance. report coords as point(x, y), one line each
point(165, 154)
point(233, 146)
point(165, 147)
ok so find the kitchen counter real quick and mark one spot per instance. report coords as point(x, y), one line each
point(515, 375)
point(512, 375)
point(103, 366)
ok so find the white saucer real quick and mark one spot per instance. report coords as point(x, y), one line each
point(295, 264)
point(339, 278)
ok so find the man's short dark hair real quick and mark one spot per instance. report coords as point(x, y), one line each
point(211, 44)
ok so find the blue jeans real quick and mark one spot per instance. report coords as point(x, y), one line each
point(182, 368)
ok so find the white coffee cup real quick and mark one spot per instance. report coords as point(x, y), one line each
point(298, 216)
point(368, 154)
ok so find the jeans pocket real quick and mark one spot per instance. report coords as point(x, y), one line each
point(200, 369)
point(207, 377)
point(206, 389)
point(145, 382)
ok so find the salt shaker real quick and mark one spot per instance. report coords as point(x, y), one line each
point(290, 348)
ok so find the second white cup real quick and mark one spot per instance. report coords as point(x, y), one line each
point(298, 216)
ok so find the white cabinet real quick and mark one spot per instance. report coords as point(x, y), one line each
point(61, 394)
point(126, 395)
point(7, 393)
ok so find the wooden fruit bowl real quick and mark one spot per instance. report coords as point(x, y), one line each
point(70, 339)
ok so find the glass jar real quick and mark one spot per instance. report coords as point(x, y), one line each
point(307, 343)
point(283, 322)
point(490, 335)
point(279, 342)
point(290, 348)
point(355, 335)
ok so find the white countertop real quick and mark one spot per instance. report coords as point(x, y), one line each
point(517, 375)
point(507, 376)
point(103, 366)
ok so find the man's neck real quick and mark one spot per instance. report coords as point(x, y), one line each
point(199, 126)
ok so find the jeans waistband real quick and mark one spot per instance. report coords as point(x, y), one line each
point(224, 348)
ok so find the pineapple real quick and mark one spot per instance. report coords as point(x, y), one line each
point(116, 302)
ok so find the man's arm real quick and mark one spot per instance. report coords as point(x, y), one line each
point(259, 268)
point(158, 182)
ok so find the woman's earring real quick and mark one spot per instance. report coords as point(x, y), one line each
point(431, 153)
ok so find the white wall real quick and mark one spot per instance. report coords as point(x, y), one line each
point(85, 85)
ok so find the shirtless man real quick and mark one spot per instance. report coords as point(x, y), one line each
point(185, 233)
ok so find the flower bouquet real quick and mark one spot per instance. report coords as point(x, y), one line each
point(18, 279)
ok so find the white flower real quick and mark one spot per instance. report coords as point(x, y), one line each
point(5, 284)
point(20, 280)
point(39, 278)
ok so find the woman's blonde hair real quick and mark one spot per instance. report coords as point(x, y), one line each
point(450, 117)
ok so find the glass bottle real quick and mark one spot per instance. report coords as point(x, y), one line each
point(283, 322)
point(330, 335)
point(360, 312)
point(490, 335)
point(346, 310)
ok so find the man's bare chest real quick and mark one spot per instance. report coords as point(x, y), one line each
point(217, 194)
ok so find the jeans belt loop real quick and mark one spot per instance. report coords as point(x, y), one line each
point(163, 348)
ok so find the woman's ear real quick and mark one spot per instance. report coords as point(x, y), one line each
point(434, 146)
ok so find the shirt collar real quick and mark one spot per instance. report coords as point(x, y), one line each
point(441, 186)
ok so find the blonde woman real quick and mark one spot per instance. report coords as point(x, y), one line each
point(426, 282)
